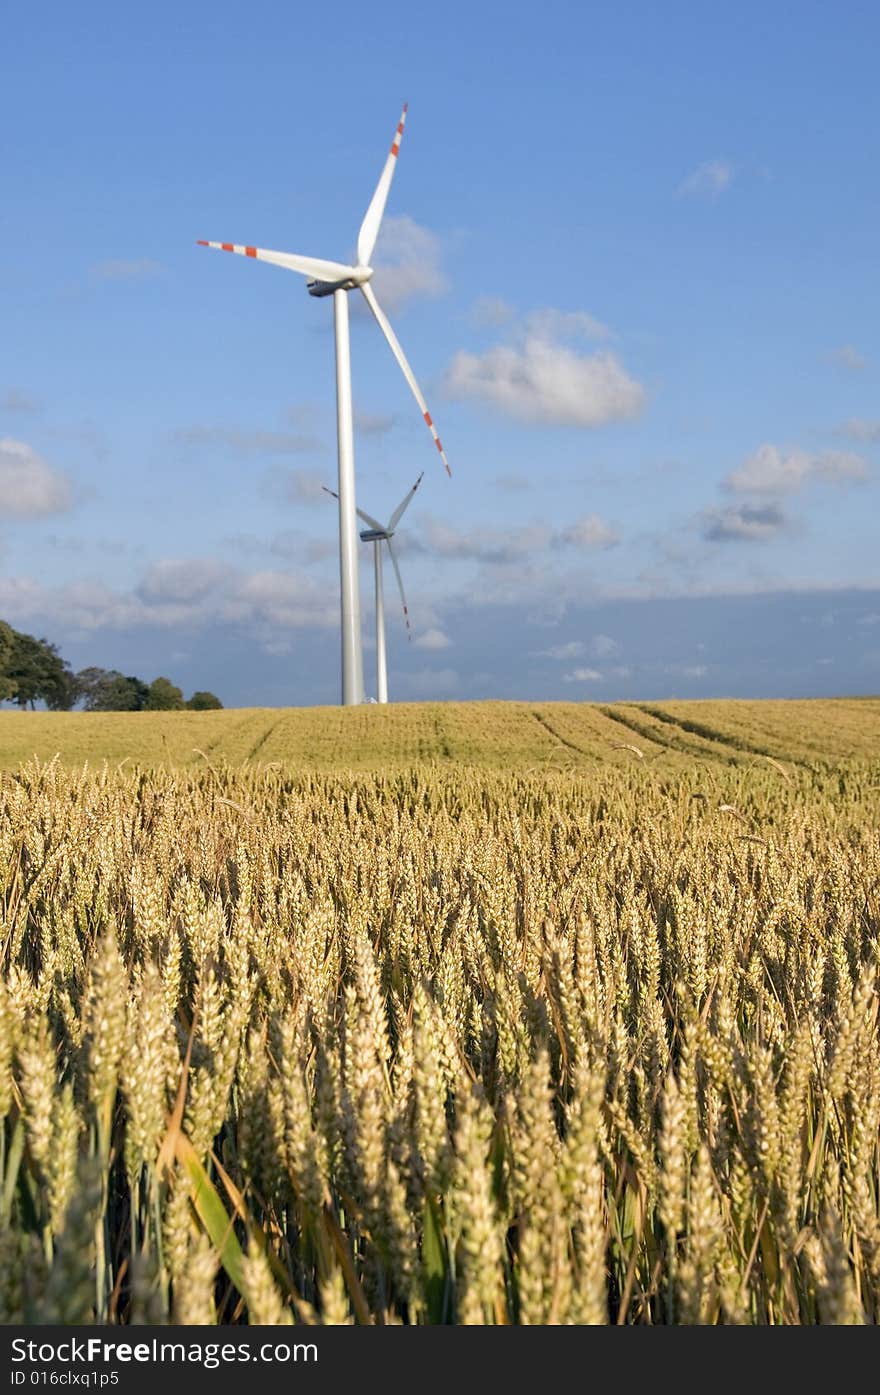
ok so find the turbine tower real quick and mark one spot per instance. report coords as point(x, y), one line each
point(337, 279)
point(376, 534)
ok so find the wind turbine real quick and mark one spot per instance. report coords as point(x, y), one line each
point(376, 534)
point(337, 279)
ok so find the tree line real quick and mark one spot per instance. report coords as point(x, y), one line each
point(32, 671)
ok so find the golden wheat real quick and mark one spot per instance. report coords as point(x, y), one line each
point(440, 1045)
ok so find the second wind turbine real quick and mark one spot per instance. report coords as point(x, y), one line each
point(377, 535)
point(337, 279)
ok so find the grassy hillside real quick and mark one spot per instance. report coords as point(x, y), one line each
point(494, 735)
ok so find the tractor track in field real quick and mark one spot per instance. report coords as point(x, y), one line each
point(542, 721)
point(685, 748)
point(211, 746)
point(264, 738)
point(732, 742)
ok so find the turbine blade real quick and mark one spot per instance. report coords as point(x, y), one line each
point(373, 216)
point(404, 505)
point(404, 366)
point(307, 266)
point(393, 556)
point(370, 522)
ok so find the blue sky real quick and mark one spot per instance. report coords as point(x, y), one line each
point(631, 254)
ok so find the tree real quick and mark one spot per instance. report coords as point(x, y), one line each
point(107, 690)
point(164, 696)
point(7, 646)
point(38, 673)
point(204, 702)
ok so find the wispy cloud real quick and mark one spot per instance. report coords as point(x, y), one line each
point(540, 377)
point(860, 429)
point(571, 649)
point(500, 546)
point(743, 523)
point(491, 312)
point(599, 647)
point(686, 670)
point(29, 486)
point(140, 269)
point(244, 441)
point(407, 263)
point(513, 482)
point(711, 178)
point(784, 470)
point(433, 639)
point(12, 400)
point(589, 531)
point(293, 486)
point(292, 544)
point(429, 683)
point(847, 356)
point(582, 675)
point(482, 544)
point(564, 325)
point(372, 424)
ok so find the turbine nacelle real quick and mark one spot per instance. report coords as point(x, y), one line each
point(323, 277)
point(359, 276)
point(376, 535)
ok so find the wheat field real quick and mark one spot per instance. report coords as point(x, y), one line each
point(462, 1016)
point(496, 735)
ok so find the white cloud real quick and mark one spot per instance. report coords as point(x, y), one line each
point(743, 523)
point(177, 593)
point(773, 470)
point(281, 598)
point(433, 639)
point(589, 531)
point(539, 380)
point(602, 646)
point(29, 487)
point(142, 269)
point(582, 675)
point(713, 177)
point(175, 579)
point(407, 263)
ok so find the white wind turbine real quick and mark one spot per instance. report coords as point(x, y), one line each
point(337, 279)
point(376, 534)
